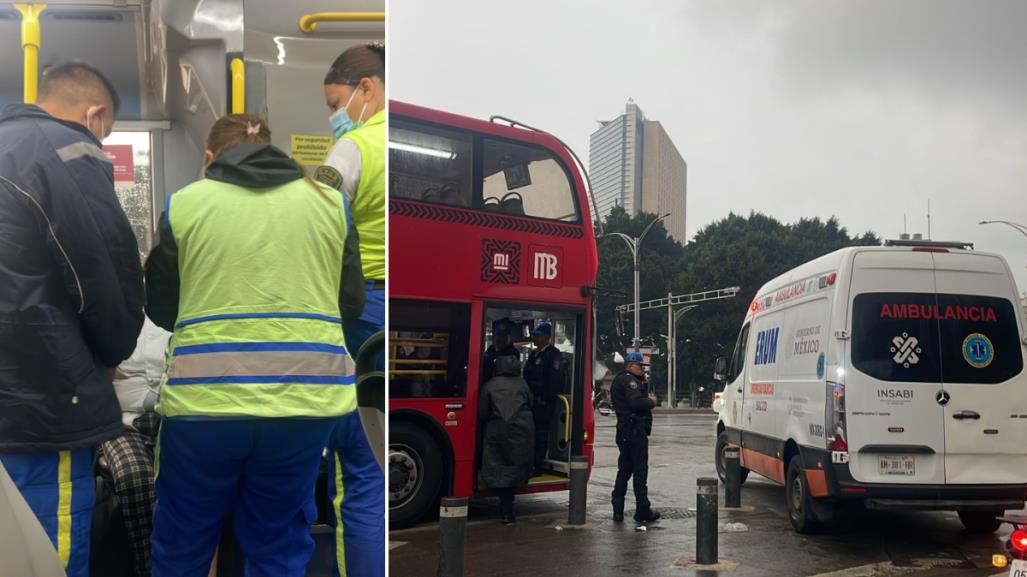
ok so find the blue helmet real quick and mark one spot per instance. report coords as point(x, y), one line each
point(634, 358)
point(543, 328)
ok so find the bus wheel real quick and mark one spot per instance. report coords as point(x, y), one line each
point(722, 463)
point(799, 501)
point(980, 521)
point(415, 474)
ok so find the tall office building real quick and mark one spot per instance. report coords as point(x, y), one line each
point(633, 163)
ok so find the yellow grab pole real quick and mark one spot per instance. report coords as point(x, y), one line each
point(30, 45)
point(308, 22)
point(238, 86)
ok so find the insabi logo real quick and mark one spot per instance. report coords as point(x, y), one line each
point(546, 265)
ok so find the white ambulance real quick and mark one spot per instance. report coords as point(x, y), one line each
point(893, 375)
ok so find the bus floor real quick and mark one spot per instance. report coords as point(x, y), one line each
point(540, 544)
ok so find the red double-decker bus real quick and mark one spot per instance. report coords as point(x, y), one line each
point(486, 221)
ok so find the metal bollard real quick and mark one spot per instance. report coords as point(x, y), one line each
point(706, 522)
point(733, 484)
point(452, 536)
point(579, 490)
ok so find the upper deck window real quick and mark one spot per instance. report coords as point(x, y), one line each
point(445, 166)
point(431, 166)
point(526, 181)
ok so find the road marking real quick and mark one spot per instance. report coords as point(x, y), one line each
point(889, 569)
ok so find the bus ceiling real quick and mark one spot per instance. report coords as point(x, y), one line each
point(172, 62)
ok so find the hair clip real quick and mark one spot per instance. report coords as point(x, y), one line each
point(252, 128)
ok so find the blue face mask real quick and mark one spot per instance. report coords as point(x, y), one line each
point(340, 120)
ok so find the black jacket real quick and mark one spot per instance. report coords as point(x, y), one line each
point(508, 443)
point(630, 397)
point(71, 287)
point(544, 373)
point(254, 166)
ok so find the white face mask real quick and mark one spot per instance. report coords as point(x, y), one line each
point(103, 127)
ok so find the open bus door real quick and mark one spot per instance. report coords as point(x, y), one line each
point(566, 432)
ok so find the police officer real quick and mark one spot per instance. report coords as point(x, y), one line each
point(502, 345)
point(542, 371)
point(633, 404)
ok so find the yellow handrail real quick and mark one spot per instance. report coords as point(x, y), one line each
point(308, 22)
point(30, 45)
point(567, 425)
point(238, 86)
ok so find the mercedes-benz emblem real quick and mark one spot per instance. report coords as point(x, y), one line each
point(942, 397)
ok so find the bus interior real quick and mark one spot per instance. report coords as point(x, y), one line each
point(179, 65)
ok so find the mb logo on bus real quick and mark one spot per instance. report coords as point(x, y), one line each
point(546, 265)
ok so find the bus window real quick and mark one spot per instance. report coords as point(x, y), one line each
point(526, 181)
point(130, 154)
point(430, 166)
point(428, 349)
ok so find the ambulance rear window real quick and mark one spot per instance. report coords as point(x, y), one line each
point(934, 338)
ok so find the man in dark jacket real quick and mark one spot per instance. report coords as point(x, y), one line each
point(71, 299)
point(504, 411)
point(634, 406)
point(542, 371)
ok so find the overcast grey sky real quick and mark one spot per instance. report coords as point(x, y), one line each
point(863, 110)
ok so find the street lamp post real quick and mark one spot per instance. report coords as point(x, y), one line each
point(633, 243)
point(1017, 226)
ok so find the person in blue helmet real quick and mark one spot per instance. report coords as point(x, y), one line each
point(543, 372)
point(633, 404)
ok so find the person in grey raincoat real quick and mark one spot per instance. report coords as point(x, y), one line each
point(504, 411)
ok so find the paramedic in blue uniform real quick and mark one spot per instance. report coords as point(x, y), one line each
point(71, 299)
point(354, 89)
point(633, 404)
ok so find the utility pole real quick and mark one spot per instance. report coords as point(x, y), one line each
point(687, 302)
point(633, 244)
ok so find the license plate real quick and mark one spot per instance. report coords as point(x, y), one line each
point(896, 465)
point(1018, 568)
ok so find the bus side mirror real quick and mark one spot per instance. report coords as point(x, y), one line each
point(720, 370)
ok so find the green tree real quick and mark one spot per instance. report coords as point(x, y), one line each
point(735, 251)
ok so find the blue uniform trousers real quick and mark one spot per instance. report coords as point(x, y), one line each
point(357, 489)
point(60, 490)
point(263, 471)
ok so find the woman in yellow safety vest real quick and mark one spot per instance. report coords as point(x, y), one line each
point(250, 276)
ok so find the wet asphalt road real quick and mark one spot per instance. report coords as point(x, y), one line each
point(859, 544)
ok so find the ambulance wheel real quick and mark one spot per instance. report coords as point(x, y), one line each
point(415, 474)
point(798, 499)
point(722, 444)
point(980, 521)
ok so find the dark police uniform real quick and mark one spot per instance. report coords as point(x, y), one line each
point(542, 371)
point(634, 410)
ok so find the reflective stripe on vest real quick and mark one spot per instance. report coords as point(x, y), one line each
point(259, 332)
point(368, 206)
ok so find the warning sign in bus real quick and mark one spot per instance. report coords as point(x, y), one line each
point(310, 149)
